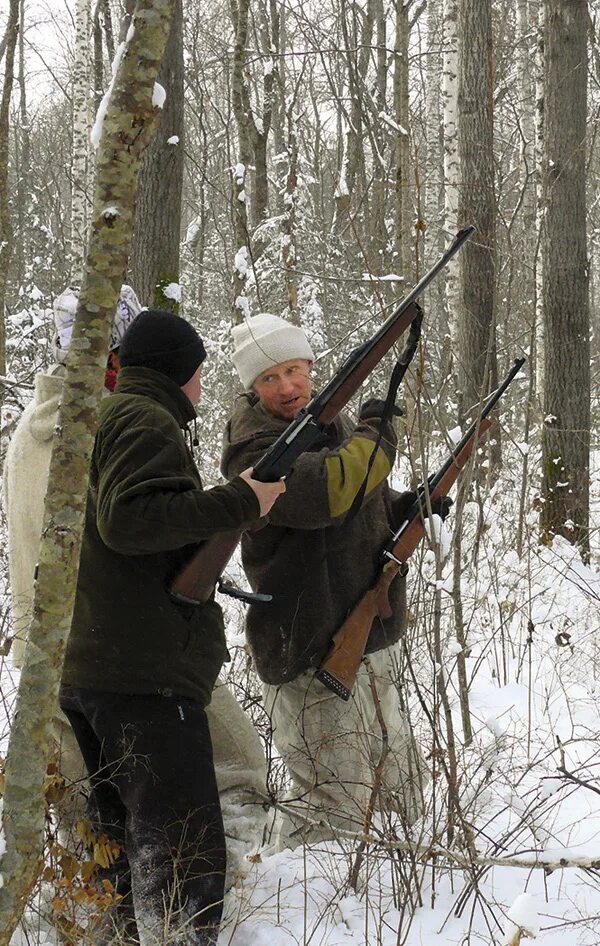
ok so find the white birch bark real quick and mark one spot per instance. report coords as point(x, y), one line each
point(6, 227)
point(433, 103)
point(434, 177)
point(81, 126)
point(451, 159)
point(539, 205)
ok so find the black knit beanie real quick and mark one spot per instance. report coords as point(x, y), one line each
point(164, 342)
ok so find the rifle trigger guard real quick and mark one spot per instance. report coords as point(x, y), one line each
point(403, 570)
point(248, 597)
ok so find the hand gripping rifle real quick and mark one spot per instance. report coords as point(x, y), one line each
point(196, 582)
point(338, 670)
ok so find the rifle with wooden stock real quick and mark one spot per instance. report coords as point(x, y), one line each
point(197, 581)
point(338, 670)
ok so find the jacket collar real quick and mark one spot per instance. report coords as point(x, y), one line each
point(156, 386)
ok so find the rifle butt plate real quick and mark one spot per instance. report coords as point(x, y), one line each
point(333, 684)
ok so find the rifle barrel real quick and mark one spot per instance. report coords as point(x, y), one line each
point(359, 353)
point(489, 406)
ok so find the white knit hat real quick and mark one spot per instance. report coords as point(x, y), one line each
point(65, 308)
point(264, 341)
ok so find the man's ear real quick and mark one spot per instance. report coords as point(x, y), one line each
point(113, 363)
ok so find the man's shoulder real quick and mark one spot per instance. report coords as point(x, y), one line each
point(135, 409)
point(134, 416)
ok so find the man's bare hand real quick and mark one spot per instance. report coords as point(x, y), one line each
point(266, 493)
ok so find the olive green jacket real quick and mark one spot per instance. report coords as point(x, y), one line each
point(313, 559)
point(146, 514)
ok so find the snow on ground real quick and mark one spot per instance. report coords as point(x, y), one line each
point(528, 784)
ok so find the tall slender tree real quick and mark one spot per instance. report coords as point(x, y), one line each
point(80, 196)
point(566, 430)
point(451, 160)
point(154, 265)
point(240, 174)
point(477, 202)
point(6, 228)
point(129, 120)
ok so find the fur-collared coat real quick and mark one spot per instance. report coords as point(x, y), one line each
point(313, 559)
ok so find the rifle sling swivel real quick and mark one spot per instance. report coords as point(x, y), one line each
point(248, 597)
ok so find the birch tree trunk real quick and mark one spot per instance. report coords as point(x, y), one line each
point(288, 227)
point(451, 165)
point(539, 202)
point(23, 166)
point(12, 31)
point(434, 178)
point(80, 152)
point(477, 204)
point(239, 209)
point(127, 126)
point(402, 212)
point(154, 264)
point(566, 430)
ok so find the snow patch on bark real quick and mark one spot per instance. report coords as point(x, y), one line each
point(159, 95)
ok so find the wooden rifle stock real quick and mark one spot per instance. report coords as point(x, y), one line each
point(196, 581)
point(338, 670)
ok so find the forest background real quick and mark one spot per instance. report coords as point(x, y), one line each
point(313, 159)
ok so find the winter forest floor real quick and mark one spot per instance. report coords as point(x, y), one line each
point(527, 787)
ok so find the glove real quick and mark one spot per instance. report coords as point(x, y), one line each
point(441, 507)
point(373, 409)
point(402, 503)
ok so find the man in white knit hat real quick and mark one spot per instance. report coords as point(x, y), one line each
point(239, 758)
point(316, 561)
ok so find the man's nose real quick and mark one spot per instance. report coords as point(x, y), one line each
point(286, 386)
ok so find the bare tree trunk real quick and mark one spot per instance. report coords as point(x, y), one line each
point(98, 59)
point(22, 166)
point(108, 28)
point(540, 82)
point(433, 178)
point(259, 130)
point(6, 235)
point(451, 166)
point(477, 204)
point(129, 121)
point(154, 265)
point(80, 158)
point(566, 431)
point(242, 261)
point(402, 211)
point(379, 256)
point(288, 235)
point(352, 163)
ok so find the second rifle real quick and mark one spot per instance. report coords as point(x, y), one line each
point(338, 670)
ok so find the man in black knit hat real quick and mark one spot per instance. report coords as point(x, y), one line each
point(139, 668)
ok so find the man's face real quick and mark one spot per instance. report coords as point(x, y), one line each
point(193, 387)
point(286, 388)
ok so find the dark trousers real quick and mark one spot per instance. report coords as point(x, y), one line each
point(153, 791)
